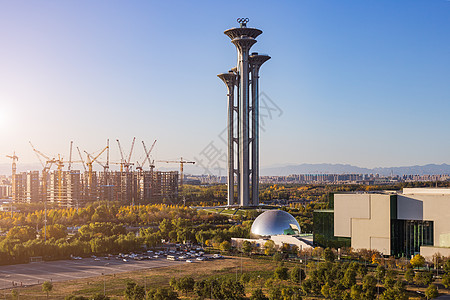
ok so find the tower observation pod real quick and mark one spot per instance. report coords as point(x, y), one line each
point(243, 107)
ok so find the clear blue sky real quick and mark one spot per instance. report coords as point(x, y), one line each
point(358, 82)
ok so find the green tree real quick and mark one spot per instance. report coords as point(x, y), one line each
point(165, 227)
point(269, 247)
point(380, 272)
point(326, 290)
point(173, 283)
point(47, 287)
point(297, 275)
point(349, 278)
point(281, 273)
point(362, 270)
point(202, 289)
point(417, 261)
point(258, 295)
point(162, 294)
point(290, 293)
point(356, 292)
point(232, 290)
point(423, 278)
point(277, 257)
point(22, 233)
point(225, 246)
point(328, 255)
point(389, 280)
point(56, 231)
point(100, 296)
point(447, 266)
point(409, 275)
point(134, 291)
point(245, 278)
point(76, 297)
point(446, 280)
point(186, 284)
point(275, 293)
point(247, 247)
point(431, 292)
point(369, 285)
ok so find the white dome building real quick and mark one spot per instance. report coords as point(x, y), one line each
point(274, 222)
point(280, 227)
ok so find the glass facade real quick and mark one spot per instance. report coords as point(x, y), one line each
point(408, 235)
point(323, 225)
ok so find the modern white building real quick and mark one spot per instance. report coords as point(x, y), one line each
point(416, 220)
point(280, 227)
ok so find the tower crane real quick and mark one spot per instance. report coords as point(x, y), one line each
point(46, 167)
point(181, 162)
point(70, 157)
point(14, 168)
point(147, 157)
point(90, 160)
point(82, 160)
point(126, 163)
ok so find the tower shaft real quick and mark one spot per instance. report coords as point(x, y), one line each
point(247, 132)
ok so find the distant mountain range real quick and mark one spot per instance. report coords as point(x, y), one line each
point(429, 169)
point(285, 170)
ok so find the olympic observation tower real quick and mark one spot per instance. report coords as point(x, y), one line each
point(243, 106)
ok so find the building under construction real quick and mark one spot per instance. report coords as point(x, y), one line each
point(74, 189)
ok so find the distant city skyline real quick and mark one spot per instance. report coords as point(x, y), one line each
point(351, 82)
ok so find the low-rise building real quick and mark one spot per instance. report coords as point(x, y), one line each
point(394, 223)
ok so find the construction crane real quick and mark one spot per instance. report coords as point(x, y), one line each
point(70, 156)
point(45, 168)
point(147, 157)
point(90, 160)
point(181, 162)
point(14, 168)
point(126, 163)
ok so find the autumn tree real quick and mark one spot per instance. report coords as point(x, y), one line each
point(328, 255)
point(269, 247)
point(47, 287)
point(22, 233)
point(417, 261)
point(56, 231)
point(431, 292)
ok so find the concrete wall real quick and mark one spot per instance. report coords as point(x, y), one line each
point(291, 240)
point(347, 207)
point(428, 252)
point(365, 218)
point(279, 240)
point(374, 232)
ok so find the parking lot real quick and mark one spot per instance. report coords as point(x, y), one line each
point(62, 270)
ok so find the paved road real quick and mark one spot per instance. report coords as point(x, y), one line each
point(36, 273)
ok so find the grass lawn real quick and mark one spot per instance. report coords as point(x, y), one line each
point(257, 271)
